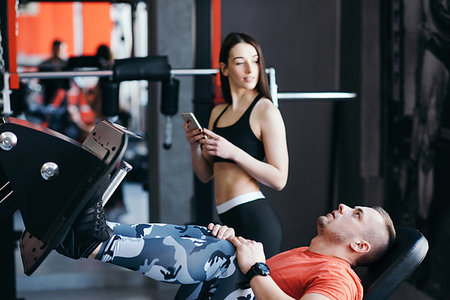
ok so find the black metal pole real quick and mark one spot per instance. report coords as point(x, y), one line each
point(7, 271)
point(3, 40)
point(202, 201)
point(7, 260)
point(347, 116)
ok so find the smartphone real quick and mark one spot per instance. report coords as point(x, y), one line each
point(194, 124)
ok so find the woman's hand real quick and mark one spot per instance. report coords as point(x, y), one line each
point(221, 231)
point(215, 145)
point(193, 136)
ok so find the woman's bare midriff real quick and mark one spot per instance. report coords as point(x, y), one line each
point(231, 181)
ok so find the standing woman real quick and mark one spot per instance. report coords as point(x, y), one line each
point(244, 146)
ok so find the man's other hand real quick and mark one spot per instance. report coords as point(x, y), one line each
point(221, 231)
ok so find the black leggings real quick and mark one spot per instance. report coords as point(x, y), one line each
point(256, 220)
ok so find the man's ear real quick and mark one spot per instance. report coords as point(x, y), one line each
point(224, 69)
point(360, 246)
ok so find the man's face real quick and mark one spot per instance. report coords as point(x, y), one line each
point(346, 224)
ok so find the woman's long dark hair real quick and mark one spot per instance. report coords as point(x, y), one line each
point(229, 42)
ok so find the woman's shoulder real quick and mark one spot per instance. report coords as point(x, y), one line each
point(218, 109)
point(215, 113)
point(266, 115)
point(265, 103)
point(265, 108)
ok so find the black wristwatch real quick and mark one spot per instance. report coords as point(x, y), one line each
point(258, 269)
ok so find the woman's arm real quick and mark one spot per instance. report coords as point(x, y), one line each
point(274, 171)
point(202, 167)
point(202, 161)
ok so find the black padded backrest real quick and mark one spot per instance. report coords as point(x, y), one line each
point(384, 276)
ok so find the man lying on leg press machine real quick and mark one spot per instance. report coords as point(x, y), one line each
point(212, 263)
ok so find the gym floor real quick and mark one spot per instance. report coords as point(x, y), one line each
point(89, 279)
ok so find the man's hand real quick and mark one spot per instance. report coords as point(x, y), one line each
point(221, 231)
point(248, 252)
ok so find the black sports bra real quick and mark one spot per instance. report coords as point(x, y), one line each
point(241, 135)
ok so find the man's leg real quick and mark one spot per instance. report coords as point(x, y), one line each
point(188, 255)
point(169, 253)
point(153, 230)
point(235, 287)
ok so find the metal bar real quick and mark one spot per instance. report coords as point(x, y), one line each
point(9, 194)
point(197, 72)
point(65, 74)
point(106, 73)
point(273, 86)
point(6, 184)
point(119, 175)
point(317, 95)
point(6, 95)
point(189, 72)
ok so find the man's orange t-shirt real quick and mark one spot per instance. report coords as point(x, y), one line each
point(300, 271)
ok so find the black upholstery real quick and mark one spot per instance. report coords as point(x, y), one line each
point(382, 278)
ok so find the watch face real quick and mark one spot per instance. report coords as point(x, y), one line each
point(262, 269)
point(258, 269)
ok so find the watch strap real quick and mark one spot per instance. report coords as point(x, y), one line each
point(258, 268)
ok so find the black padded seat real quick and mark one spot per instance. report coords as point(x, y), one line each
point(383, 277)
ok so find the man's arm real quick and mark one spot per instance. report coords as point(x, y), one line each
point(248, 253)
point(314, 296)
point(265, 288)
